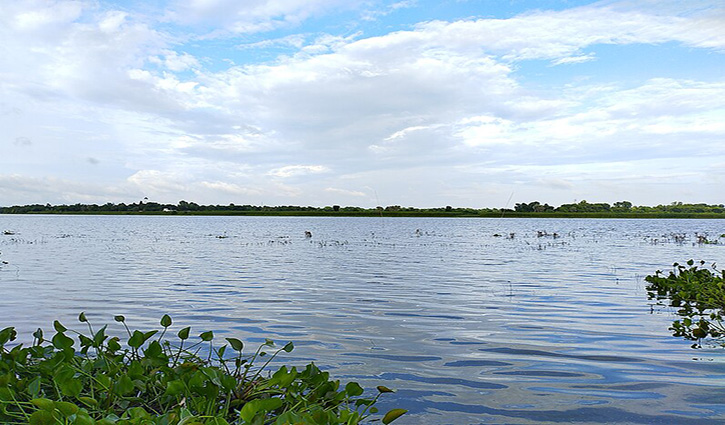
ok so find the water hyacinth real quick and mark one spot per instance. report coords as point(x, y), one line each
point(146, 379)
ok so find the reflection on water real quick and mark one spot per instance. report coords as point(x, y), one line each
point(517, 321)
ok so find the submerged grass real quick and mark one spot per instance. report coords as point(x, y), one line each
point(146, 379)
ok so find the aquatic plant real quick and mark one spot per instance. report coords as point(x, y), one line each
point(698, 293)
point(146, 379)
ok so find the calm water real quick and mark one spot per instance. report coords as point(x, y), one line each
point(470, 327)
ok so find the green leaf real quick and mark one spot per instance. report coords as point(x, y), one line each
point(166, 321)
point(249, 410)
point(34, 387)
point(85, 341)
point(353, 389)
point(7, 334)
point(43, 404)
point(82, 317)
point(82, 418)
point(38, 335)
point(206, 336)
point(123, 386)
point(66, 408)
point(88, 401)
point(289, 347)
point(119, 318)
point(138, 413)
point(184, 333)
point(70, 387)
point(136, 340)
point(113, 344)
point(58, 327)
point(384, 389)
point(175, 388)
point(228, 382)
point(269, 404)
point(154, 350)
point(236, 344)
point(104, 381)
point(393, 415)
point(99, 337)
point(62, 342)
point(42, 417)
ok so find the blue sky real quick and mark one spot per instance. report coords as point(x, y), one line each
point(362, 102)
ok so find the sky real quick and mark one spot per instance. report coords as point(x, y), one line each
point(468, 103)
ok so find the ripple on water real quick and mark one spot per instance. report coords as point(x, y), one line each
point(469, 327)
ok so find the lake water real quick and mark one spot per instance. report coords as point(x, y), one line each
point(471, 320)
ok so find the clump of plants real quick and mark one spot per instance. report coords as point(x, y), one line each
point(146, 379)
point(698, 293)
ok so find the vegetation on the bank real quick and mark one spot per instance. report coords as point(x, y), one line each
point(536, 209)
point(698, 293)
point(145, 379)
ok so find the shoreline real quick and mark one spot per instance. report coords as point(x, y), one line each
point(390, 214)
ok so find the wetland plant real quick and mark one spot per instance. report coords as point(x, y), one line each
point(698, 293)
point(145, 379)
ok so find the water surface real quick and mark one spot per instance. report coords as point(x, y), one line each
point(472, 320)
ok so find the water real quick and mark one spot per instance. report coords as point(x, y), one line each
point(468, 326)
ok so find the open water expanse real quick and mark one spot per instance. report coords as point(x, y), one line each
point(473, 321)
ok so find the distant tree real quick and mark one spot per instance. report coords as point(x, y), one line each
point(623, 205)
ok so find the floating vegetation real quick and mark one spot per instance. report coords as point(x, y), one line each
point(698, 293)
point(147, 379)
point(682, 238)
point(545, 234)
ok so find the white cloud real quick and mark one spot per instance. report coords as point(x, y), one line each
point(345, 192)
point(176, 62)
point(293, 40)
point(402, 133)
point(575, 59)
point(227, 17)
point(298, 170)
point(231, 188)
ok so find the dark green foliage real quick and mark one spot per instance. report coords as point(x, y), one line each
point(147, 380)
point(698, 293)
point(533, 207)
point(621, 209)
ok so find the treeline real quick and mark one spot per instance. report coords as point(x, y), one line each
point(622, 207)
point(535, 208)
point(185, 207)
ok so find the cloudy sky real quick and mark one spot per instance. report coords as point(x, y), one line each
point(362, 102)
